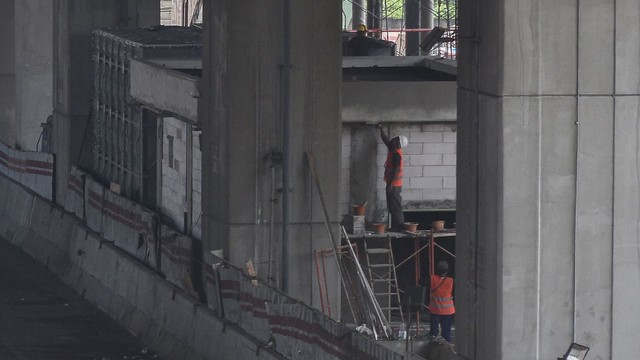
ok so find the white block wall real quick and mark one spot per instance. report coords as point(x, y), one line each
point(171, 11)
point(429, 166)
point(165, 12)
point(174, 176)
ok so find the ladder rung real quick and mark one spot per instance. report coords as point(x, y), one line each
point(382, 280)
point(378, 251)
point(385, 294)
point(390, 308)
point(380, 265)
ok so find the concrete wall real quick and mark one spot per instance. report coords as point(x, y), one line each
point(429, 167)
point(34, 69)
point(7, 74)
point(172, 323)
point(548, 240)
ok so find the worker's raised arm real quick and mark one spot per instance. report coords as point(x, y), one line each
point(383, 135)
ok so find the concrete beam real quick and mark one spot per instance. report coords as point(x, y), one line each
point(165, 90)
point(446, 66)
point(385, 101)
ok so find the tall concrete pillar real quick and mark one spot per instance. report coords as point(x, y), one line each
point(7, 73)
point(427, 13)
point(34, 70)
point(359, 13)
point(74, 21)
point(412, 20)
point(548, 188)
point(244, 130)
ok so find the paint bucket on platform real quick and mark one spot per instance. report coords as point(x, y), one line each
point(379, 227)
point(411, 226)
point(437, 225)
point(359, 210)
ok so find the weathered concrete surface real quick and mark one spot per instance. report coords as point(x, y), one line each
point(44, 318)
point(547, 184)
point(7, 74)
point(34, 69)
point(242, 128)
point(162, 315)
point(164, 89)
point(383, 101)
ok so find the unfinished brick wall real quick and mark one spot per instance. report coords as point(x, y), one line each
point(174, 175)
point(429, 167)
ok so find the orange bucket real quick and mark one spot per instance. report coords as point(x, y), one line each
point(437, 225)
point(358, 210)
point(411, 226)
point(379, 227)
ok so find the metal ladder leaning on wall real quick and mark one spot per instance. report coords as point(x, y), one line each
point(383, 279)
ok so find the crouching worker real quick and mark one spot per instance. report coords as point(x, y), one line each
point(441, 302)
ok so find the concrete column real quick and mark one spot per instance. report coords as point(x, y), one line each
point(7, 74)
point(548, 192)
point(74, 20)
point(34, 71)
point(426, 18)
point(359, 11)
point(412, 22)
point(243, 129)
point(427, 12)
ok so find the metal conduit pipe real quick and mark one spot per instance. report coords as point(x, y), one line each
point(286, 124)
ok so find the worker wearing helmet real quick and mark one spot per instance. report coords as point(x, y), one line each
point(441, 302)
point(360, 43)
point(393, 171)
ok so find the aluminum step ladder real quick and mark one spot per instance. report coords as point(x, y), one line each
point(383, 279)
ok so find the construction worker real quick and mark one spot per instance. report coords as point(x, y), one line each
point(361, 42)
point(441, 302)
point(393, 177)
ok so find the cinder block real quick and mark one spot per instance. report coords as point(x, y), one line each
point(449, 159)
point(426, 183)
point(413, 149)
point(433, 159)
point(441, 148)
point(433, 127)
point(449, 182)
point(449, 137)
point(426, 137)
point(439, 194)
point(355, 224)
point(412, 171)
point(439, 171)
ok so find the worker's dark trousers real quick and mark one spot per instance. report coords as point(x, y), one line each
point(394, 204)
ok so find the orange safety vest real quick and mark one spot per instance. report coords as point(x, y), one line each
point(388, 168)
point(441, 299)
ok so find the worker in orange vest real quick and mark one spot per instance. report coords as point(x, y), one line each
point(441, 302)
point(393, 172)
